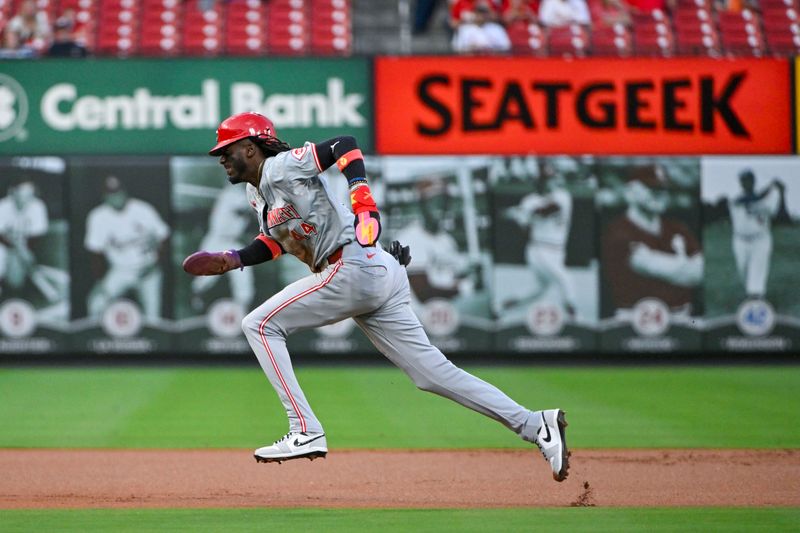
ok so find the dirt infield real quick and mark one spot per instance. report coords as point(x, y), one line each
point(397, 478)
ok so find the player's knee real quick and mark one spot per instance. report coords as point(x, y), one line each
point(424, 383)
point(254, 322)
point(251, 323)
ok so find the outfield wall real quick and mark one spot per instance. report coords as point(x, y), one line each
point(512, 180)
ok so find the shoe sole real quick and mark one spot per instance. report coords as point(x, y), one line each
point(562, 474)
point(310, 456)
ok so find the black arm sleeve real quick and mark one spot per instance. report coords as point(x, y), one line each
point(332, 149)
point(254, 253)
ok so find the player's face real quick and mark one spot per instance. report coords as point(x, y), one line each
point(234, 160)
point(117, 199)
point(23, 193)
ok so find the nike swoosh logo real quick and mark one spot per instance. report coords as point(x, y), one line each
point(549, 437)
point(298, 443)
point(334, 145)
point(370, 256)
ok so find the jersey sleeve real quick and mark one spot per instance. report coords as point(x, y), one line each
point(296, 164)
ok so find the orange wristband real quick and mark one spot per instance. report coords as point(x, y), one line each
point(272, 244)
point(349, 157)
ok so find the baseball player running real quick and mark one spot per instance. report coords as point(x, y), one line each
point(352, 276)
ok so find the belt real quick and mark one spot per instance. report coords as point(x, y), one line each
point(335, 256)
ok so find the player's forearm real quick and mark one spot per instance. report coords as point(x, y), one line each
point(686, 271)
point(261, 250)
point(350, 162)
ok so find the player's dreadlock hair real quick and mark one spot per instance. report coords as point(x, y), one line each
point(270, 146)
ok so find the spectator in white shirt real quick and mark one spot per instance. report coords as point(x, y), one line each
point(556, 13)
point(479, 32)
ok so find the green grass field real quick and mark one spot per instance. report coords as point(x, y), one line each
point(378, 407)
point(404, 520)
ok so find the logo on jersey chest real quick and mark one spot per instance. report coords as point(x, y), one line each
point(279, 215)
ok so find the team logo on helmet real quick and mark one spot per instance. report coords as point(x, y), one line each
point(13, 109)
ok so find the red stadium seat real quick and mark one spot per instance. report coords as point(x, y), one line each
point(331, 27)
point(287, 27)
point(202, 30)
point(245, 27)
point(118, 27)
point(653, 40)
point(527, 38)
point(740, 33)
point(570, 41)
point(613, 41)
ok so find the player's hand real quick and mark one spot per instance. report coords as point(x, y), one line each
point(368, 227)
point(400, 252)
point(212, 263)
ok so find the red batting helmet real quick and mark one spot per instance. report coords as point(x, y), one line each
point(241, 126)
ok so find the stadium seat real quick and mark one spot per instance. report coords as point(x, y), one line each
point(118, 27)
point(695, 32)
point(161, 23)
point(613, 41)
point(288, 27)
point(527, 38)
point(202, 30)
point(784, 43)
point(331, 27)
point(653, 36)
point(740, 33)
point(569, 41)
point(245, 27)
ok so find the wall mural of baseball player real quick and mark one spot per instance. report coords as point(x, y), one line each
point(351, 276)
point(121, 236)
point(651, 257)
point(544, 218)
point(209, 309)
point(750, 210)
point(125, 236)
point(34, 277)
point(439, 207)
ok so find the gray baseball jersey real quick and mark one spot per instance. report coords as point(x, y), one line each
point(296, 208)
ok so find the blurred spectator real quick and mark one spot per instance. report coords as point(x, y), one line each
point(64, 42)
point(479, 32)
point(610, 13)
point(521, 10)
point(423, 11)
point(79, 25)
point(29, 28)
point(556, 13)
point(648, 6)
point(463, 10)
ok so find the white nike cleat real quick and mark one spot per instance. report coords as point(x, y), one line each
point(293, 445)
point(551, 440)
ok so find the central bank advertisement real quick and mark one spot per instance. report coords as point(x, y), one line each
point(145, 106)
